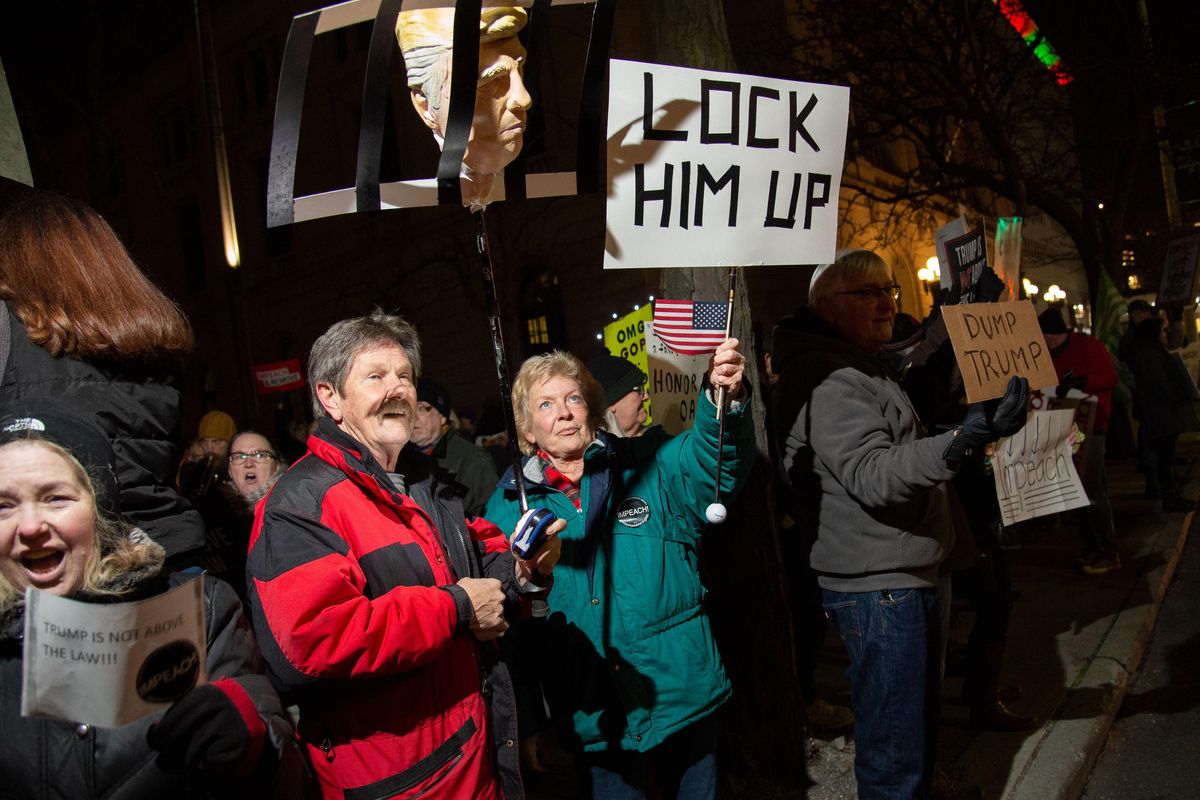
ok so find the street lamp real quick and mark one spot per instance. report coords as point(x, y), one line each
point(1031, 288)
point(930, 274)
point(1054, 294)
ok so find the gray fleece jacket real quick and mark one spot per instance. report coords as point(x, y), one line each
point(866, 483)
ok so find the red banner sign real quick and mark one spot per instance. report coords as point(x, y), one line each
point(279, 376)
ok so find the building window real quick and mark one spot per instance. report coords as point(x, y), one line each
point(539, 333)
point(191, 244)
point(541, 312)
point(174, 131)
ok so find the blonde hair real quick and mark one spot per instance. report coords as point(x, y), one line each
point(426, 37)
point(540, 368)
point(848, 267)
point(118, 548)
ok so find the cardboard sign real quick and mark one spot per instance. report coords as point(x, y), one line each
point(626, 338)
point(995, 341)
point(709, 168)
point(279, 376)
point(674, 385)
point(109, 664)
point(1179, 273)
point(966, 258)
point(1035, 475)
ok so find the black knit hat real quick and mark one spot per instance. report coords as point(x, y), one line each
point(616, 376)
point(1139, 305)
point(47, 419)
point(1051, 321)
point(435, 394)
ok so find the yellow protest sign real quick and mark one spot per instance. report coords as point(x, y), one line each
point(626, 338)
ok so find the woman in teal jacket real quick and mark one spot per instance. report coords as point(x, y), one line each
point(625, 657)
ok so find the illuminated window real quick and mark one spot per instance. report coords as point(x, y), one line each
point(541, 313)
point(1134, 282)
point(539, 331)
point(1128, 257)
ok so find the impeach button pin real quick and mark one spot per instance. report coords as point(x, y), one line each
point(169, 672)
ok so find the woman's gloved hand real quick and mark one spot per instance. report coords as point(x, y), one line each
point(213, 728)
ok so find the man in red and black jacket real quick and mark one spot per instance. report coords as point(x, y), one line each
point(375, 602)
point(1083, 362)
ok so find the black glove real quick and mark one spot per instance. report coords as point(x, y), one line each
point(989, 287)
point(1068, 382)
point(204, 730)
point(991, 420)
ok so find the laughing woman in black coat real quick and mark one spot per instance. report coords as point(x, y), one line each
point(59, 535)
point(80, 322)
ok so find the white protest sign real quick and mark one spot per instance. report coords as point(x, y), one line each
point(1190, 356)
point(1179, 272)
point(674, 385)
point(966, 259)
point(1083, 405)
point(109, 664)
point(952, 229)
point(716, 168)
point(1034, 473)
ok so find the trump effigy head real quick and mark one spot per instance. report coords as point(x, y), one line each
point(426, 37)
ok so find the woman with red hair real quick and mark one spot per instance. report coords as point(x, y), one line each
point(80, 322)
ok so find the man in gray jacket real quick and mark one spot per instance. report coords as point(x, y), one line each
point(868, 483)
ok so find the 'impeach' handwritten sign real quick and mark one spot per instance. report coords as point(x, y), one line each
point(995, 341)
point(1034, 473)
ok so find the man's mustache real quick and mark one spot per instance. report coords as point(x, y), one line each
point(397, 406)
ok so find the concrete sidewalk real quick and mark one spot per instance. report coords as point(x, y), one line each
point(1074, 642)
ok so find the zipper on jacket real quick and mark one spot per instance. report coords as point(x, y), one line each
point(327, 748)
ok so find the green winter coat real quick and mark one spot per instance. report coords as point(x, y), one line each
point(626, 656)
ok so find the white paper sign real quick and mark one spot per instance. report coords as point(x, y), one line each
point(716, 168)
point(1083, 405)
point(109, 664)
point(1179, 272)
point(1034, 473)
point(674, 385)
point(952, 229)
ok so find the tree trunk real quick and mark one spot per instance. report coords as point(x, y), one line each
point(762, 747)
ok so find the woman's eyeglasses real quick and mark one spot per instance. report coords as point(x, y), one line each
point(257, 455)
point(876, 293)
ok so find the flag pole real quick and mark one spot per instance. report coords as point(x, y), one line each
point(716, 511)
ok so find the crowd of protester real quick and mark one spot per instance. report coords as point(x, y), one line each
point(370, 631)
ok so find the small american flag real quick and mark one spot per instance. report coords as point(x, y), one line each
point(690, 328)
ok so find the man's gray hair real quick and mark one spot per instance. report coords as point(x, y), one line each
point(848, 267)
point(426, 67)
point(334, 351)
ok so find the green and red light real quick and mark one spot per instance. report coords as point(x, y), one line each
point(1029, 31)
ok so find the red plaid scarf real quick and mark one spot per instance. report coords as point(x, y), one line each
point(557, 480)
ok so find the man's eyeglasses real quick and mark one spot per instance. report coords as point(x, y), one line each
point(876, 293)
point(257, 455)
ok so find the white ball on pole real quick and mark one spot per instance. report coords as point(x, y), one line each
point(716, 513)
